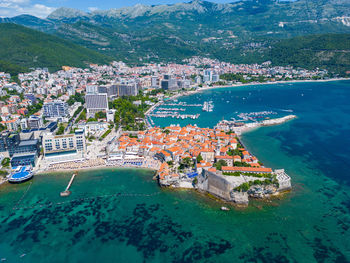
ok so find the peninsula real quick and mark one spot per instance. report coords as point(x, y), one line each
point(208, 160)
point(102, 117)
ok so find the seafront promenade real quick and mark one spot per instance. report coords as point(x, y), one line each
point(84, 164)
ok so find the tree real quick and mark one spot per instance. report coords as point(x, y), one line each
point(218, 165)
point(82, 116)
point(60, 129)
point(5, 162)
point(78, 97)
point(186, 161)
point(91, 119)
point(100, 115)
point(199, 158)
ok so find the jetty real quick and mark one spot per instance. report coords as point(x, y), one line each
point(67, 192)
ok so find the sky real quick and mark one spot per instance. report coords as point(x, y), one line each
point(42, 8)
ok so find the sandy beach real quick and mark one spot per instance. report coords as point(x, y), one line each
point(70, 166)
point(270, 83)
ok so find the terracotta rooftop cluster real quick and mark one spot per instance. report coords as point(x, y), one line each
point(176, 143)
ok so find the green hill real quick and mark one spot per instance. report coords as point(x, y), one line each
point(330, 51)
point(22, 48)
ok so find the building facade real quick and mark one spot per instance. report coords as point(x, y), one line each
point(95, 103)
point(69, 144)
point(8, 142)
point(127, 89)
point(35, 122)
point(55, 109)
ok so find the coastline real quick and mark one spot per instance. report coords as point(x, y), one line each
point(104, 167)
point(271, 83)
point(198, 90)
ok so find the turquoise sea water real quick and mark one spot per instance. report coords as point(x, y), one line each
point(121, 215)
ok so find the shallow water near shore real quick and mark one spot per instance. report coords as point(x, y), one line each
point(121, 215)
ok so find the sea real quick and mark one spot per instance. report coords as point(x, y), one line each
point(122, 215)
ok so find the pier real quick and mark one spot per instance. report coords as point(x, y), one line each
point(182, 104)
point(67, 192)
point(167, 114)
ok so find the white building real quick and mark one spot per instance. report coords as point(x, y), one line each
point(110, 115)
point(61, 146)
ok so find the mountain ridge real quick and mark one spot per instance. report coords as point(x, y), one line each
point(239, 32)
point(196, 5)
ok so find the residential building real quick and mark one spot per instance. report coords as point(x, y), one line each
point(155, 82)
point(35, 122)
point(127, 89)
point(55, 109)
point(31, 97)
point(12, 125)
point(91, 89)
point(110, 115)
point(24, 124)
point(228, 159)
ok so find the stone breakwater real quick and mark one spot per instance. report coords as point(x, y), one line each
point(277, 121)
point(250, 126)
point(240, 128)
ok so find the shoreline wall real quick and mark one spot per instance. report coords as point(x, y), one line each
point(218, 186)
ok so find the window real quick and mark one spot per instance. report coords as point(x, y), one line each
point(64, 143)
point(71, 143)
point(57, 144)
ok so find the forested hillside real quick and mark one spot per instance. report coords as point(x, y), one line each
point(331, 51)
point(22, 48)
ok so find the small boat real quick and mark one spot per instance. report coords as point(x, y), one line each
point(224, 208)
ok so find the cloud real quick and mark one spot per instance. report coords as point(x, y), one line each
point(10, 8)
point(92, 9)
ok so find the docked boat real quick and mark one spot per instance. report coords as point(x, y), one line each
point(224, 208)
point(205, 106)
point(21, 174)
point(208, 106)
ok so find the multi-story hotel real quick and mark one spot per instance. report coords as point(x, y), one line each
point(96, 103)
point(55, 146)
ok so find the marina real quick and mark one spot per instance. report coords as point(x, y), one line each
point(253, 116)
point(171, 109)
point(183, 104)
point(169, 114)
